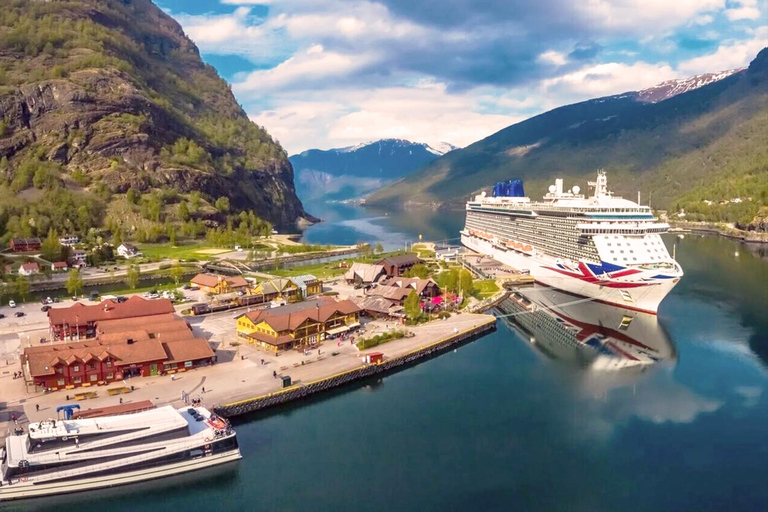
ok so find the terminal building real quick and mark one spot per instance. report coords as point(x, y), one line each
point(303, 324)
point(120, 348)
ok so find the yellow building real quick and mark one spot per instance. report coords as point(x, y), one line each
point(276, 289)
point(218, 284)
point(303, 324)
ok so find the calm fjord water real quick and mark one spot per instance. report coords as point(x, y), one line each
point(497, 425)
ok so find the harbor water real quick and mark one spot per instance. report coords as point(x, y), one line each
point(501, 425)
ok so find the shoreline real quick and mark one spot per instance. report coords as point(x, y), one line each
point(706, 228)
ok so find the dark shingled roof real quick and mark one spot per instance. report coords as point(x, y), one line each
point(400, 260)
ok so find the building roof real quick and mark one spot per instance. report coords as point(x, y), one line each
point(291, 316)
point(366, 272)
point(129, 247)
point(59, 264)
point(166, 338)
point(401, 260)
point(30, 266)
point(390, 292)
point(273, 286)
point(278, 341)
point(305, 279)
point(375, 304)
point(414, 283)
point(80, 314)
point(211, 280)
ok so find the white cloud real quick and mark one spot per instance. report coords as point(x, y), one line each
point(552, 57)
point(606, 79)
point(424, 113)
point(642, 16)
point(729, 55)
point(743, 10)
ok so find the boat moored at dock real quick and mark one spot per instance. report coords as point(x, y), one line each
point(602, 247)
point(64, 456)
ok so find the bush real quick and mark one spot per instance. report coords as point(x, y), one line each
point(380, 339)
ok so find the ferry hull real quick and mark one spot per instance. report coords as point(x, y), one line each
point(640, 292)
point(37, 490)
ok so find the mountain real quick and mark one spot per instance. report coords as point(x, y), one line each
point(708, 143)
point(670, 88)
point(112, 121)
point(357, 170)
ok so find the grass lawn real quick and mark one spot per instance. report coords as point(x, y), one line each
point(484, 288)
point(183, 251)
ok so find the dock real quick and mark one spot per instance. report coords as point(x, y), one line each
point(361, 370)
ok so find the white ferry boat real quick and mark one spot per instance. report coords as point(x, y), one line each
point(602, 247)
point(63, 456)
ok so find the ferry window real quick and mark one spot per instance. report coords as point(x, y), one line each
point(612, 251)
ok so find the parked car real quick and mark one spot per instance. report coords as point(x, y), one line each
point(45, 308)
point(18, 314)
point(186, 287)
point(11, 304)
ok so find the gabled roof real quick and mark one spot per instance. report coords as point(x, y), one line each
point(59, 264)
point(414, 283)
point(211, 280)
point(30, 266)
point(290, 317)
point(80, 314)
point(400, 260)
point(366, 272)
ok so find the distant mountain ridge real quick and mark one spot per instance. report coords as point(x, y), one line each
point(352, 171)
point(681, 142)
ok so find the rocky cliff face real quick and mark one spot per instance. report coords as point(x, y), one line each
point(116, 96)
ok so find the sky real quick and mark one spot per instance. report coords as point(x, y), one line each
point(334, 73)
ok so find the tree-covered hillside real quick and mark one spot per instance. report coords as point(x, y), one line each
point(110, 120)
point(709, 144)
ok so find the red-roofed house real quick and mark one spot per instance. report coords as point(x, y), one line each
point(28, 269)
point(80, 320)
point(59, 266)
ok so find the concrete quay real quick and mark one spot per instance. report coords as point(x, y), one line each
point(244, 373)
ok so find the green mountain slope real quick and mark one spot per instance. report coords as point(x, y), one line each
point(709, 143)
point(102, 97)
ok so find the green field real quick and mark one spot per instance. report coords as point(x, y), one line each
point(184, 251)
point(484, 288)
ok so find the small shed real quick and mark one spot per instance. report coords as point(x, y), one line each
point(373, 358)
point(286, 380)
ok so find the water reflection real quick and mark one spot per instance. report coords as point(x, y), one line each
point(608, 346)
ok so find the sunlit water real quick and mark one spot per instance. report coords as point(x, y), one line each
point(501, 425)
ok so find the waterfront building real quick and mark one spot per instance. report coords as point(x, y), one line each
point(365, 274)
point(378, 307)
point(79, 320)
point(219, 284)
point(425, 288)
point(122, 348)
point(397, 265)
point(303, 324)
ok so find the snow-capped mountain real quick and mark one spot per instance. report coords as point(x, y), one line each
point(356, 170)
point(666, 90)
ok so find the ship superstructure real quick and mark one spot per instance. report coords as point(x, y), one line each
point(61, 456)
point(599, 246)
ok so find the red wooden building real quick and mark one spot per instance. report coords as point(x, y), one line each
point(25, 244)
point(80, 321)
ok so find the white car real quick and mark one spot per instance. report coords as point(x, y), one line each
point(11, 304)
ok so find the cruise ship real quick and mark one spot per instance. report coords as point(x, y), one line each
point(602, 246)
point(609, 345)
point(63, 456)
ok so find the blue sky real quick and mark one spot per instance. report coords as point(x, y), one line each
point(332, 73)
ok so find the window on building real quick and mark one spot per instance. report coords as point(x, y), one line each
point(76, 368)
point(108, 363)
point(59, 370)
point(91, 366)
point(93, 377)
point(110, 375)
point(78, 380)
point(60, 382)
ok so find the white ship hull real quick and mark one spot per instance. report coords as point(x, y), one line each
point(25, 490)
point(642, 290)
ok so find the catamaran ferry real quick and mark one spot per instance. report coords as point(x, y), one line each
point(602, 247)
point(62, 456)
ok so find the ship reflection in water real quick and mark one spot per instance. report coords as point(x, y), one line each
point(607, 346)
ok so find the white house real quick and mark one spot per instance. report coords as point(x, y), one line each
point(128, 251)
point(59, 266)
point(29, 268)
point(78, 258)
point(69, 240)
